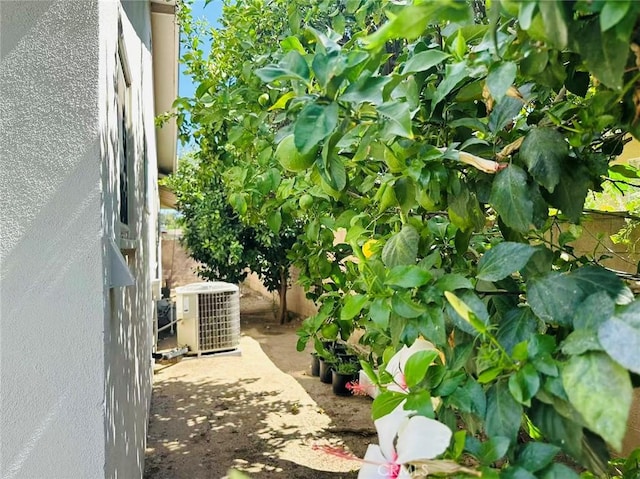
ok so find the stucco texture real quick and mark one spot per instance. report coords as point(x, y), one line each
point(75, 354)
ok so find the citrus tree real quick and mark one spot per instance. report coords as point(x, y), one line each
point(430, 149)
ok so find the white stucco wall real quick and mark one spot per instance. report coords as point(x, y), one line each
point(51, 313)
point(75, 355)
point(129, 311)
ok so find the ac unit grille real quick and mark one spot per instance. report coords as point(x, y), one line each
point(219, 321)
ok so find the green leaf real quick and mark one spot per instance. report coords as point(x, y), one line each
point(411, 22)
point(424, 60)
point(465, 312)
point(408, 276)
point(420, 401)
point(612, 13)
point(504, 259)
point(401, 248)
point(504, 113)
point(464, 211)
point(405, 193)
point(452, 282)
point(501, 76)
point(417, 365)
point(274, 220)
point(314, 123)
point(555, 23)
point(537, 455)
point(593, 311)
point(554, 297)
point(399, 117)
point(516, 472)
point(516, 326)
point(292, 66)
point(524, 384)
point(385, 403)
point(510, 198)
point(621, 340)
point(454, 74)
point(592, 279)
point(580, 341)
point(543, 151)
point(604, 53)
point(403, 306)
point(559, 430)
point(559, 471)
point(493, 449)
point(353, 305)
point(366, 89)
point(591, 381)
point(504, 413)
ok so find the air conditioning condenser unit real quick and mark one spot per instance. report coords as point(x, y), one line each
point(208, 317)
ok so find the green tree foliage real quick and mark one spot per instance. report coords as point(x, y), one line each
point(215, 236)
point(447, 139)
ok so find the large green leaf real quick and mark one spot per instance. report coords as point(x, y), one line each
point(386, 402)
point(398, 116)
point(593, 279)
point(510, 198)
point(555, 23)
point(516, 326)
point(500, 78)
point(612, 13)
point(504, 413)
point(424, 60)
point(620, 337)
point(315, 122)
point(504, 113)
point(401, 248)
point(601, 391)
point(411, 22)
point(292, 66)
point(366, 89)
point(417, 365)
point(405, 307)
point(353, 304)
point(558, 429)
point(524, 384)
point(504, 259)
point(543, 151)
point(454, 74)
point(593, 311)
point(536, 455)
point(604, 53)
point(408, 276)
point(554, 297)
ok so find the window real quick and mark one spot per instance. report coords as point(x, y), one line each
point(125, 142)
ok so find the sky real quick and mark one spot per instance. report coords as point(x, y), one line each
point(211, 13)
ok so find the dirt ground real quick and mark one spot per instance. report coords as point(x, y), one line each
point(260, 412)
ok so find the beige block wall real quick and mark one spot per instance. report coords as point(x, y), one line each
point(296, 300)
point(178, 268)
point(596, 240)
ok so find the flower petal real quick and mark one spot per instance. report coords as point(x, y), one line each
point(375, 466)
point(422, 438)
point(388, 426)
point(397, 362)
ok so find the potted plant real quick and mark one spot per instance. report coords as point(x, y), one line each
point(344, 372)
point(315, 364)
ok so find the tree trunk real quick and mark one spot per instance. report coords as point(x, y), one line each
point(282, 293)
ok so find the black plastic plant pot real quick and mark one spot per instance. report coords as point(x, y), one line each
point(315, 365)
point(325, 371)
point(339, 383)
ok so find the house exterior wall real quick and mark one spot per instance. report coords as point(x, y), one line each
point(51, 289)
point(75, 353)
point(129, 311)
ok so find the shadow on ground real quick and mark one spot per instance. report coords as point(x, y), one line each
point(245, 412)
